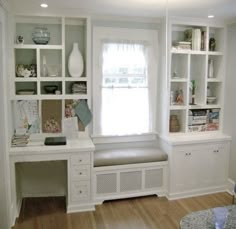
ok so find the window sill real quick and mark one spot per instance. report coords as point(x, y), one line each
point(98, 139)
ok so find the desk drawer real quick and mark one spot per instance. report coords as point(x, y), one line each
point(80, 159)
point(80, 190)
point(80, 172)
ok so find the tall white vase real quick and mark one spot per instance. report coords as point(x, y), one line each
point(75, 62)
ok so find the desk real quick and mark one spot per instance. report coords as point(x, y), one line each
point(205, 219)
point(78, 155)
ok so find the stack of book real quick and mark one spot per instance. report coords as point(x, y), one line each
point(197, 120)
point(79, 88)
point(20, 140)
point(186, 45)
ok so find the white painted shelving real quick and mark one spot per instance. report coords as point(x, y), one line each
point(186, 65)
point(64, 31)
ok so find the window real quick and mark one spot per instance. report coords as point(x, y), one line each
point(124, 85)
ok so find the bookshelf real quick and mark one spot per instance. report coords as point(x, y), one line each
point(41, 70)
point(190, 76)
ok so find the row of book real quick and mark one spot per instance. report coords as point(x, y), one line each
point(79, 88)
point(195, 39)
point(203, 120)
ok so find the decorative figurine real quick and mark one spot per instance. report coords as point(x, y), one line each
point(212, 44)
point(180, 97)
point(20, 39)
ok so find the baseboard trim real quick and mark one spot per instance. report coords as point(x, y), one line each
point(99, 199)
point(15, 211)
point(199, 192)
point(13, 215)
point(80, 208)
point(46, 194)
point(230, 186)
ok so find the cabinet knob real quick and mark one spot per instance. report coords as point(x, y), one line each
point(80, 160)
point(80, 191)
point(80, 173)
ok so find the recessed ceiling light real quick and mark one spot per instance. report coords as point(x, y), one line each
point(44, 5)
point(211, 16)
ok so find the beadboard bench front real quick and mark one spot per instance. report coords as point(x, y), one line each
point(136, 172)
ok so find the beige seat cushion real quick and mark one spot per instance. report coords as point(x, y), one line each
point(128, 156)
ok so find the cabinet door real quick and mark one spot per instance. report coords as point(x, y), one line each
point(199, 166)
point(193, 168)
point(182, 173)
point(218, 165)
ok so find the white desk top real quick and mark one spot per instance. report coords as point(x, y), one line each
point(37, 146)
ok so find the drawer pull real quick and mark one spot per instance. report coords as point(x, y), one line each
point(80, 192)
point(80, 160)
point(80, 173)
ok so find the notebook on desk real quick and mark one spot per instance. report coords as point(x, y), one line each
point(54, 141)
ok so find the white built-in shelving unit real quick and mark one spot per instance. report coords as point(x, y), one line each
point(186, 65)
point(64, 31)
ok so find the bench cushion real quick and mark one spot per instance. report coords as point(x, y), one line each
point(128, 156)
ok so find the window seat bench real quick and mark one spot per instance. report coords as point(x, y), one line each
point(129, 172)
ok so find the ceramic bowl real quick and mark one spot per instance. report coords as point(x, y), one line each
point(41, 36)
point(50, 89)
point(211, 100)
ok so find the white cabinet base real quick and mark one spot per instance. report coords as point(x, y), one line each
point(197, 167)
point(197, 192)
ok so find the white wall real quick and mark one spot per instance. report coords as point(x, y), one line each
point(4, 162)
point(230, 97)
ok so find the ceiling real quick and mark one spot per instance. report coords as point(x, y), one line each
point(222, 9)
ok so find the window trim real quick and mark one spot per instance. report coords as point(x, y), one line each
point(100, 139)
point(99, 35)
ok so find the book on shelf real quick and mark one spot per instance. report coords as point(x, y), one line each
point(203, 40)
point(203, 120)
point(185, 45)
point(197, 128)
point(194, 39)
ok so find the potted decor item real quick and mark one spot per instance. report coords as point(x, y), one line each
point(174, 124)
point(75, 62)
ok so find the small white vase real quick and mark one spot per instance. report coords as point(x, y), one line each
point(210, 68)
point(75, 62)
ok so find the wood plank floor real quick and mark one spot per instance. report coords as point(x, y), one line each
point(137, 213)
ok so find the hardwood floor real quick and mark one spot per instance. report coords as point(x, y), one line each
point(138, 213)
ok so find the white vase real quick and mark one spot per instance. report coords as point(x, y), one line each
point(196, 39)
point(75, 62)
point(44, 67)
point(210, 68)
